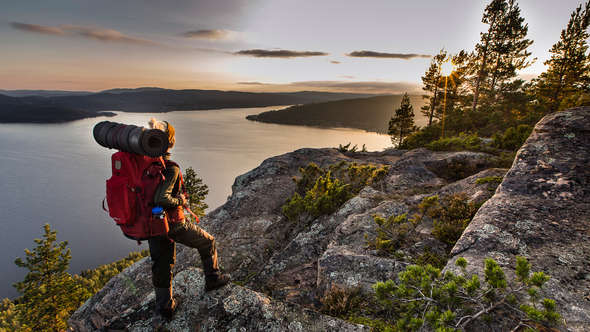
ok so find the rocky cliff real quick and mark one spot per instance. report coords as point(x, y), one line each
point(283, 268)
point(542, 211)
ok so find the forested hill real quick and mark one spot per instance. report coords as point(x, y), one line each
point(73, 107)
point(371, 114)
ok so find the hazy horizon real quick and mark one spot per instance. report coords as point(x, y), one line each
point(257, 46)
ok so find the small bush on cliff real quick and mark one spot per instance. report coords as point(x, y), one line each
point(451, 215)
point(346, 148)
point(425, 298)
point(322, 191)
point(457, 143)
point(421, 137)
point(512, 138)
point(395, 231)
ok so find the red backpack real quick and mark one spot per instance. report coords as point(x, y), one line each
point(130, 195)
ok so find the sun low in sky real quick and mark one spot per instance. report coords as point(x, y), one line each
point(250, 45)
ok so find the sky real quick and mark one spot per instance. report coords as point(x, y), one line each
point(372, 46)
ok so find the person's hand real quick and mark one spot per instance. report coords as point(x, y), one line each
point(184, 200)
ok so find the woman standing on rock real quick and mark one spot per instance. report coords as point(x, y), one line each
point(163, 248)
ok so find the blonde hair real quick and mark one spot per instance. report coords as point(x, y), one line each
point(165, 127)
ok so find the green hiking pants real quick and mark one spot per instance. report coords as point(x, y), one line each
point(163, 251)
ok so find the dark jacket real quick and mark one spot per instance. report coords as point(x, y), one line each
point(167, 194)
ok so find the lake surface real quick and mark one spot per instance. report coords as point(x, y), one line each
point(55, 173)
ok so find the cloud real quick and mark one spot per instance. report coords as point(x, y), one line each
point(365, 86)
point(373, 54)
point(335, 62)
point(215, 34)
point(258, 53)
point(37, 28)
point(251, 83)
point(100, 34)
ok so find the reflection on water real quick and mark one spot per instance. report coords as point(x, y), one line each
point(55, 174)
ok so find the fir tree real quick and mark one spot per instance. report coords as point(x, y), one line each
point(402, 123)
point(502, 50)
point(197, 191)
point(510, 48)
point(431, 83)
point(49, 293)
point(568, 68)
point(483, 49)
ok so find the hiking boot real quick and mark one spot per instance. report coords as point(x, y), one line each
point(215, 282)
point(165, 304)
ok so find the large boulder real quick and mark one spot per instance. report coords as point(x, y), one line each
point(542, 211)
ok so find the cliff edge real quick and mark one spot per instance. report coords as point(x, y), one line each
point(284, 268)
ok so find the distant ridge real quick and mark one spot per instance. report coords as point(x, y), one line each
point(43, 93)
point(45, 107)
point(370, 114)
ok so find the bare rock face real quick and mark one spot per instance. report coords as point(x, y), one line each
point(542, 211)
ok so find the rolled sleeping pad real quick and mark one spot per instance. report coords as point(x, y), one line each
point(123, 138)
point(135, 140)
point(113, 134)
point(96, 130)
point(130, 138)
point(102, 133)
point(154, 142)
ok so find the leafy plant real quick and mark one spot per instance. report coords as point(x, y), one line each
point(425, 298)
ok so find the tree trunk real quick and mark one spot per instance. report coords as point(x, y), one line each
point(433, 105)
point(480, 76)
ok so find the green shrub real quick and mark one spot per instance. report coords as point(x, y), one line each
point(322, 191)
point(421, 137)
point(451, 215)
point(503, 159)
point(346, 148)
point(512, 138)
point(94, 280)
point(489, 179)
point(392, 232)
point(429, 257)
point(396, 231)
point(457, 143)
point(425, 298)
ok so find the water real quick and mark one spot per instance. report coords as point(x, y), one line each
point(55, 173)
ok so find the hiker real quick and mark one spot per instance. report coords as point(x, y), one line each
point(163, 248)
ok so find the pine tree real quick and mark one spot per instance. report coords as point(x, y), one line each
point(492, 15)
point(502, 50)
point(431, 82)
point(569, 66)
point(197, 191)
point(49, 293)
point(402, 123)
point(510, 48)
